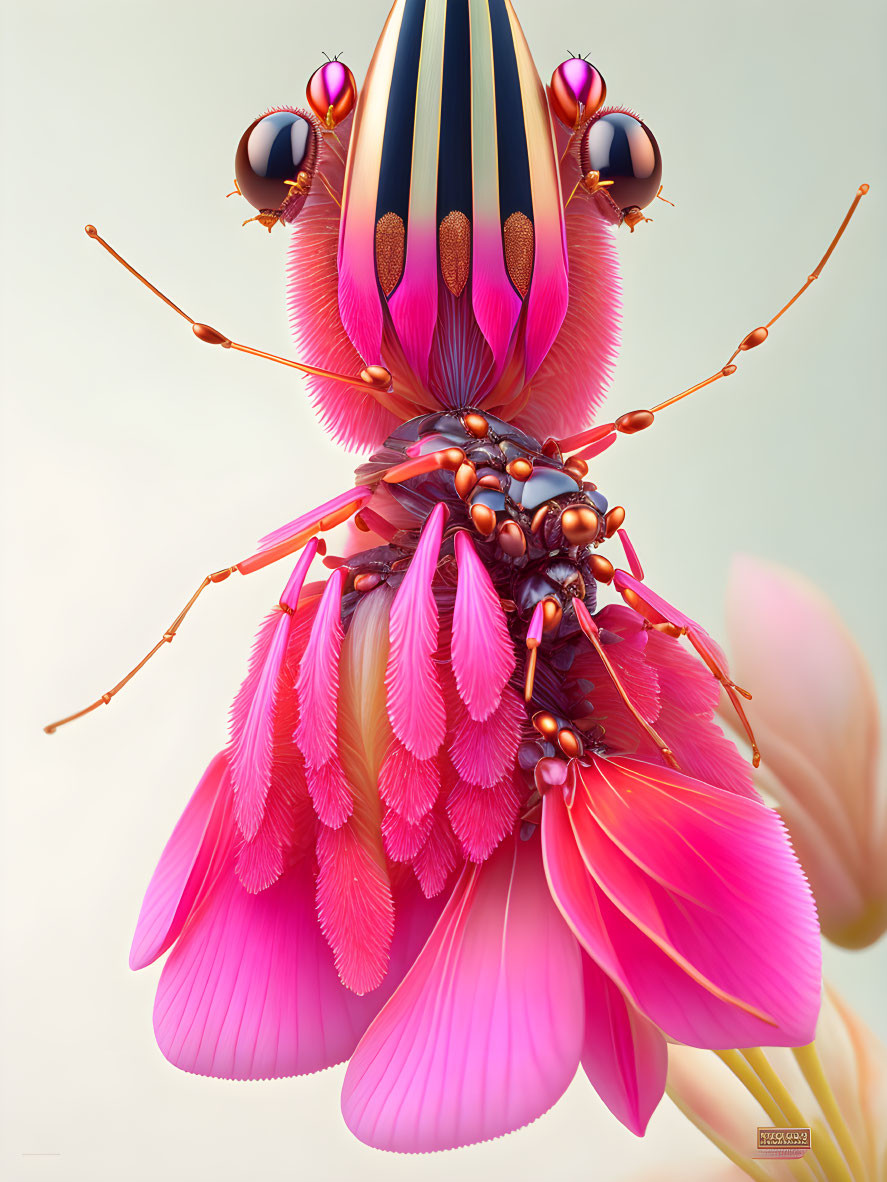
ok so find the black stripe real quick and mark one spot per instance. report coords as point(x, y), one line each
point(400, 119)
point(515, 194)
point(454, 189)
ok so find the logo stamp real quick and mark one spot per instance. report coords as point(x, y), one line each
point(782, 1143)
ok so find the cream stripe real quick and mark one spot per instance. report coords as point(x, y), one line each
point(426, 137)
point(484, 146)
point(368, 133)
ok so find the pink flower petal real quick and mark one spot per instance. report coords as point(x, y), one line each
point(484, 753)
point(188, 866)
point(485, 1031)
point(624, 1056)
point(250, 990)
point(816, 715)
point(415, 700)
point(354, 905)
point(691, 899)
point(482, 817)
point(482, 651)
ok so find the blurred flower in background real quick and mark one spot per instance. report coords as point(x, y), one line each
point(816, 718)
point(728, 1095)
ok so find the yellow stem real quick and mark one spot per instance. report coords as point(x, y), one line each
point(810, 1064)
point(745, 1164)
point(824, 1148)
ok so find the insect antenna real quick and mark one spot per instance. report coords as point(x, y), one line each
point(375, 378)
point(599, 438)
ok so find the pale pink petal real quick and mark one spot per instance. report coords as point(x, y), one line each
point(250, 990)
point(485, 1031)
point(815, 713)
point(408, 785)
point(482, 651)
point(624, 1056)
point(188, 866)
point(354, 907)
point(691, 899)
point(415, 701)
point(483, 753)
point(482, 817)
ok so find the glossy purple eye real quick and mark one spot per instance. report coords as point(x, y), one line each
point(577, 91)
point(275, 162)
point(623, 151)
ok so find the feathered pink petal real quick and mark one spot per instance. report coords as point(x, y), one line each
point(318, 684)
point(188, 866)
point(415, 701)
point(354, 907)
point(691, 899)
point(330, 793)
point(403, 839)
point(438, 857)
point(250, 990)
point(253, 714)
point(484, 753)
point(624, 1056)
point(408, 785)
point(482, 817)
point(481, 649)
point(485, 1031)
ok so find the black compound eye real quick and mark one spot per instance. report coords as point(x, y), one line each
point(276, 153)
point(623, 150)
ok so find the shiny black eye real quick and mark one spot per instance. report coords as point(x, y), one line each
point(623, 150)
point(275, 162)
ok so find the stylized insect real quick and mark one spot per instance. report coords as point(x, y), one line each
point(470, 827)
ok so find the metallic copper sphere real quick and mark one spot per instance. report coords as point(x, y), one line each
point(552, 614)
point(484, 519)
point(602, 569)
point(614, 520)
point(577, 91)
point(580, 525)
point(511, 540)
point(520, 469)
point(476, 424)
point(545, 724)
point(332, 93)
point(570, 743)
point(376, 375)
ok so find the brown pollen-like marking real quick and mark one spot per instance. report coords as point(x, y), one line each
point(602, 569)
point(454, 244)
point(520, 250)
point(476, 424)
point(546, 724)
point(390, 251)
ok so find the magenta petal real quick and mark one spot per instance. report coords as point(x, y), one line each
point(415, 701)
point(484, 1033)
point(250, 990)
point(188, 866)
point(624, 1056)
point(691, 899)
point(482, 650)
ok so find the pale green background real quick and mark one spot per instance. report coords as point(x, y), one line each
point(135, 460)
